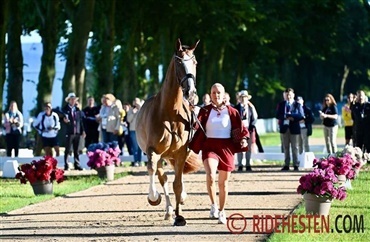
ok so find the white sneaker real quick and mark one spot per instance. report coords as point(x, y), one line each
point(214, 212)
point(222, 217)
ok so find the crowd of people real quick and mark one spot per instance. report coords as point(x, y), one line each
point(107, 122)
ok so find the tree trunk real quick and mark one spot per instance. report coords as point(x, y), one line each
point(105, 55)
point(343, 82)
point(49, 34)
point(4, 13)
point(15, 57)
point(74, 75)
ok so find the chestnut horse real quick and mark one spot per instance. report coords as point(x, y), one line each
point(163, 129)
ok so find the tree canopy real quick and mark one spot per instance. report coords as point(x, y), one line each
point(315, 47)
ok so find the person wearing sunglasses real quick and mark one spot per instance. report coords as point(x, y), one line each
point(329, 117)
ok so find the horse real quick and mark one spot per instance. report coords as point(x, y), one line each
point(163, 130)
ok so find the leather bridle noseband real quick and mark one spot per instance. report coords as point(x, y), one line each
point(187, 75)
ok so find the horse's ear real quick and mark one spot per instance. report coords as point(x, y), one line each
point(194, 46)
point(178, 45)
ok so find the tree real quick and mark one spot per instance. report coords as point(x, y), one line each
point(102, 46)
point(4, 12)
point(48, 13)
point(80, 14)
point(14, 56)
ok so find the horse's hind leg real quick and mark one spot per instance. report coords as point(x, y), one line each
point(163, 179)
point(154, 197)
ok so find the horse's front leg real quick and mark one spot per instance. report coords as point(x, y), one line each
point(154, 197)
point(162, 177)
point(178, 189)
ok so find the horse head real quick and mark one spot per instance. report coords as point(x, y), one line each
point(185, 64)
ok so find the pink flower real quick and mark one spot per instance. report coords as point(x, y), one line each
point(103, 155)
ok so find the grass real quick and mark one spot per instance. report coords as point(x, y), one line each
point(14, 195)
point(357, 204)
point(273, 139)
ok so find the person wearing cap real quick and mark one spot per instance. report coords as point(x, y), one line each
point(73, 120)
point(306, 127)
point(47, 124)
point(248, 114)
point(289, 113)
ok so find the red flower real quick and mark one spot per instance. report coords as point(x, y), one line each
point(41, 170)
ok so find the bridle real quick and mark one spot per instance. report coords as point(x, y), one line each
point(182, 80)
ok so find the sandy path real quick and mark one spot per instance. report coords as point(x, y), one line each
point(118, 210)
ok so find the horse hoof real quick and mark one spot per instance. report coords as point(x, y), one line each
point(179, 221)
point(169, 213)
point(157, 202)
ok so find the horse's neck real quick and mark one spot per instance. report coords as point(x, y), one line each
point(171, 94)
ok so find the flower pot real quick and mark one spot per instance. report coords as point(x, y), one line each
point(42, 187)
point(317, 205)
point(106, 172)
point(342, 180)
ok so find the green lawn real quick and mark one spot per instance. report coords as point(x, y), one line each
point(14, 195)
point(273, 139)
point(342, 217)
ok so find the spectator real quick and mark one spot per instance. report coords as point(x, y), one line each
point(123, 127)
point(127, 107)
point(13, 123)
point(206, 100)
point(102, 118)
point(227, 99)
point(113, 119)
point(347, 119)
point(306, 127)
point(249, 117)
point(195, 103)
point(73, 120)
point(91, 112)
point(131, 118)
point(329, 116)
point(48, 125)
point(361, 118)
point(289, 113)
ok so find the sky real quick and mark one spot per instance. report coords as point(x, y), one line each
point(32, 52)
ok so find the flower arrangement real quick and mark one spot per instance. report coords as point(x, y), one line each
point(341, 163)
point(103, 154)
point(322, 183)
point(44, 169)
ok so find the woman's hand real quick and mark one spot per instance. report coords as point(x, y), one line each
point(244, 142)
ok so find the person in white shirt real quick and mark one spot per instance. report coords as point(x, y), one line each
point(48, 126)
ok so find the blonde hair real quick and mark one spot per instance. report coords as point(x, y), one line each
point(219, 86)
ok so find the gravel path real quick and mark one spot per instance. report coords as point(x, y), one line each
point(118, 210)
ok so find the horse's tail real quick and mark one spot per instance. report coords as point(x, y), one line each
point(193, 162)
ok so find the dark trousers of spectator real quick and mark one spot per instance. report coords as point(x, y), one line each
point(127, 139)
point(12, 142)
point(363, 141)
point(72, 140)
point(258, 142)
point(135, 147)
point(92, 136)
